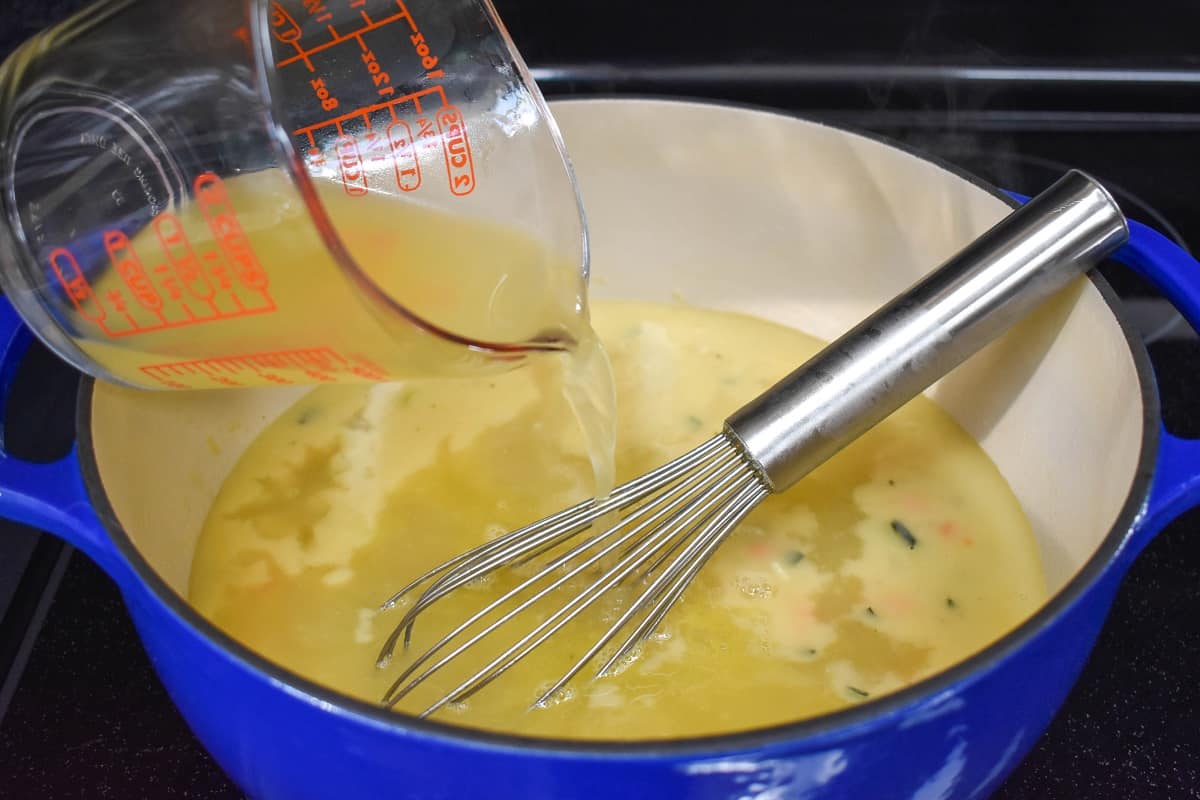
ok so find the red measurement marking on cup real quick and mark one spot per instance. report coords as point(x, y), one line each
point(218, 210)
point(167, 281)
point(432, 131)
point(404, 156)
point(182, 257)
point(127, 264)
point(350, 166)
point(362, 113)
point(283, 26)
point(428, 141)
point(282, 367)
point(67, 270)
point(306, 54)
point(317, 10)
point(460, 166)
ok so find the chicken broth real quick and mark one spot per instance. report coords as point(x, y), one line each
point(904, 554)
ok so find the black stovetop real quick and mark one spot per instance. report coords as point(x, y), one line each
point(997, 87)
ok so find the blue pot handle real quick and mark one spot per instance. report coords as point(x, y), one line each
point(50, 497)
point(1176, 486)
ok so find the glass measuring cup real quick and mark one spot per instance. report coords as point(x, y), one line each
point(246, 192)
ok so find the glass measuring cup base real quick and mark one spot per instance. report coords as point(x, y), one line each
point(56, 339)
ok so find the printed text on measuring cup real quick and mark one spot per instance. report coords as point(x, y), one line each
point(392, 139)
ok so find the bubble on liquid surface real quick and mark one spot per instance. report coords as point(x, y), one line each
point(626, 661)
point(613, 606)
point(562, 695)
point(482, 582)
point(403, 601)
point(755, 587)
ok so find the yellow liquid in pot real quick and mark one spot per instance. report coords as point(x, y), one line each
point(904, 554)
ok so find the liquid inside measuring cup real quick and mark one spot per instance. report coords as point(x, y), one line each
point(269, 278)
point(490, 282)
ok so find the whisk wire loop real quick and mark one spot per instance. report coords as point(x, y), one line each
point(661, 510)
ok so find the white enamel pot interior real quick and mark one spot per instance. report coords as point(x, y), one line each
point(760, 213)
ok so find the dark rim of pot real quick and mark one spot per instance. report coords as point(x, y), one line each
point(835, 725)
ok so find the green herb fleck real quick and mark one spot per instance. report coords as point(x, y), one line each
point(871, 612)
point(406, 398)
point(891, 482)
point(904, 533)
point(694, 421)
point(854, 690)
point(793, 557)
point(950, 603)
point(807, 652)
point(308, 415)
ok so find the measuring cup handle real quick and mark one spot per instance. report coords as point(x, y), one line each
point(51, 496)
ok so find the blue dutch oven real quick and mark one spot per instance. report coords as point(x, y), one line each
point(676, 192)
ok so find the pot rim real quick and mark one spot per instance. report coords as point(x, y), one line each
point(832, 726)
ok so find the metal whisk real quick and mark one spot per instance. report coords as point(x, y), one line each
point(670, 521)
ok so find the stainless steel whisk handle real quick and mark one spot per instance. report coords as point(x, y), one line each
point(918, 337)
